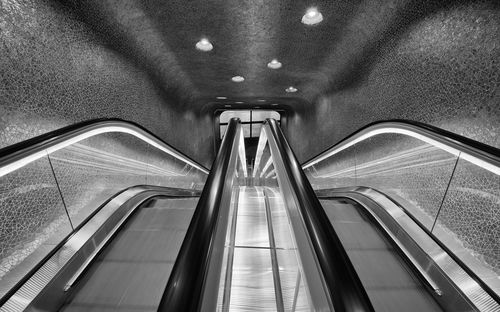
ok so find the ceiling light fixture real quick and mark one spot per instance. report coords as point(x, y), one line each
point(274, 104)
point(227, 105)
point(221, 98)
point(291, 89)
point(261, 100)
point(312, 17)
point(238, 79)
point(204, 45)
point(274, 64)
point(239, 102)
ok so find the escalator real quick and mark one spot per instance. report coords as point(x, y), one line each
point(126, 274)
point(251, 241)
point(390, 282)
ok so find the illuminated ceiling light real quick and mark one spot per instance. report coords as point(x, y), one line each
point(239, 102)
point(204, 45)
point(221, 98)
point(274, 104)
point(227, 105)
point(261, 100)
point(291, 89)
point(238, 79)
point(274, 64)
point(312, 17)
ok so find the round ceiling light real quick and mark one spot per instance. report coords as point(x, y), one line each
point(221, 98)
point(239, 102)
point(204, 45)
point(274, 64)
point(274, 104)
point(312, 17)
point(238, 79)
point(291, 89)
point(261, 100)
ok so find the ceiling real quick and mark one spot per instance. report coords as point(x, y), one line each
point(160, 36)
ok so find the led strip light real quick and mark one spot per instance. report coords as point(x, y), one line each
point(10, 167)
point(454, 151)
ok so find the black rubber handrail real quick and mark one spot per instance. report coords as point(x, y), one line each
point(44, 141)
point(184, 290)
point(478, 149)
point(344, 286)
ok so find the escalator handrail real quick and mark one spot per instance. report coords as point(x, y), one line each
point(14, 156)
point(184, 290)
point(447, 140)
point(344, 286)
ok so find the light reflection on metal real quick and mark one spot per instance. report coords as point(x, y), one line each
point(270, 173)
point(368, 133)
point(260, 150)
point(268, 163)
point(12, 166)
point(242, 154)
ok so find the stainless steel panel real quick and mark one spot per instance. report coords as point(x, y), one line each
point(252, 286)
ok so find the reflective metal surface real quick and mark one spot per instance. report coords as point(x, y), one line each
point(264, 271)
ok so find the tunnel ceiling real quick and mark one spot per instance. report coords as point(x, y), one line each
point(160, 36)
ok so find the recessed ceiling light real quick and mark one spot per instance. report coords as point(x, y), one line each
point(274, 104)
point(221, 98)
point(227, 105)
point(261, 100)
point(312, 17)
point(204, 45)
point(239, 102)
point(291, 89)
point(238, 79)
point(274, 64)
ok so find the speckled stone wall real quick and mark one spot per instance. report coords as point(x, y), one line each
point(433, 63)
point(55, 70)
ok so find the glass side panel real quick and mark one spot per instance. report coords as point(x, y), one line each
point(469, 220)
point(44, 200)
point(95, 169)
point(456, 199)
point(32, 220)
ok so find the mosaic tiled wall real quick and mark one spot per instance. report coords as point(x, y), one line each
point(42, 202)
point(459, 202)
point(436, 62)
point(56, 70)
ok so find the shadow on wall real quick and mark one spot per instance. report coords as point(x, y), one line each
point(55, 72)
point(438, 67)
